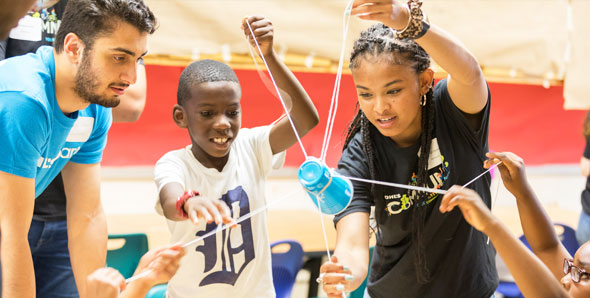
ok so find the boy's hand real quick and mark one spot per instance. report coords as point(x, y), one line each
point(263, 31)
point(393, 13)
point(201, 207)
point(162, 263)
point(335, 278)
point(511, 169)
point(475, 212)
point(105, 283)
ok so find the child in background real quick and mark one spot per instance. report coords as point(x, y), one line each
point(534, 279)
point(220, 176)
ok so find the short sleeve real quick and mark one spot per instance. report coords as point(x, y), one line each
point(259, 138)
point(24, 127)
point(457, 119)
point(170, 168)
point(353, 163)
point(91, 151)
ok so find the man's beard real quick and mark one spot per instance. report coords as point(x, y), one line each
point(86, 82)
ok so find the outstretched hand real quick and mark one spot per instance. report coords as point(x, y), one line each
point(162, 264)
point(511, 169)
point(105, 283)
point(203, 208)
point(335, 278)
point(263, 32)
point(475, 212)
point(393, 13)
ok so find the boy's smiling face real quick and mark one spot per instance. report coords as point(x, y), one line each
point(213, 117)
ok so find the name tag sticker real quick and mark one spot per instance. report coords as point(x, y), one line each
point(29, 28)
point(81, 130)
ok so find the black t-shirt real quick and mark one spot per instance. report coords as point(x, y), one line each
point(586, 191)
point(50, 205)
point(461, 262)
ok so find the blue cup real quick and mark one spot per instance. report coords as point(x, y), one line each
point(333, 192)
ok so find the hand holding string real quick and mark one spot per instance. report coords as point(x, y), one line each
point(394, 14)
point(474, 210)
point(511, 169)
point(335, 278)
point(263, 32)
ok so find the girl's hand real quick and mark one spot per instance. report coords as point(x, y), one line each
point(263, 31)
point(475, 212)
point(511, 169)
point(393, 13)
point(335, 278)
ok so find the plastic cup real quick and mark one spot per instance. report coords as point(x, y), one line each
point(330, 192)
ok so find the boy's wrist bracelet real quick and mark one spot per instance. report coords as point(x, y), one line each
point(182, 199)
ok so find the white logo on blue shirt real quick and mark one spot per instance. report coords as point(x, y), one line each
point(65, 153)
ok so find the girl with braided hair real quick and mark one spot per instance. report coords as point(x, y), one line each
point(408, 130)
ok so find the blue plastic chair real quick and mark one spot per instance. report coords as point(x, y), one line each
point(158, 291)
point(567, 236)
point(285, 266)
point(126, 258)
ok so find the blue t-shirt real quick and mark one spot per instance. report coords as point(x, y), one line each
point(36, 138)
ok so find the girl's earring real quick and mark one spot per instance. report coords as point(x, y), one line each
point(423, 100)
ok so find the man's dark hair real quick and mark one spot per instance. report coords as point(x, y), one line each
point(378, 41)
point(90, 19)
point(203, 71)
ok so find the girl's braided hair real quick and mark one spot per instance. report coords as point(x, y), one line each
point(375, 41)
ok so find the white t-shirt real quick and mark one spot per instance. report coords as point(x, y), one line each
point(237, 261)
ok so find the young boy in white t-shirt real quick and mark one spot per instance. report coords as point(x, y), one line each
point(220, 176)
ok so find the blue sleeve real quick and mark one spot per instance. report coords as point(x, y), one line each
point(24, 126)
point(91, 151)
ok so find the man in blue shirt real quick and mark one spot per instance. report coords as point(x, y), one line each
point(48, 235)
point(54, 117)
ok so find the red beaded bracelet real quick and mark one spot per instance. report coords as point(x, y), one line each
point(182, 199)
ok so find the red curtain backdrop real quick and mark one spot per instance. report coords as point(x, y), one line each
point(526, 119)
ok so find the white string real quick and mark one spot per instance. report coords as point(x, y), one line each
point(413, 187)
point(267, 83)
point(318, 200)
point(325, 234)
point(277, 90)
point(336, 91)
point(498, 180)
point(329, 126)
point(219, 228)
point(472, 180)
point(406, 186)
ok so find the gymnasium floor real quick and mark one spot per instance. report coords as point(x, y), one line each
point(129, 196)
